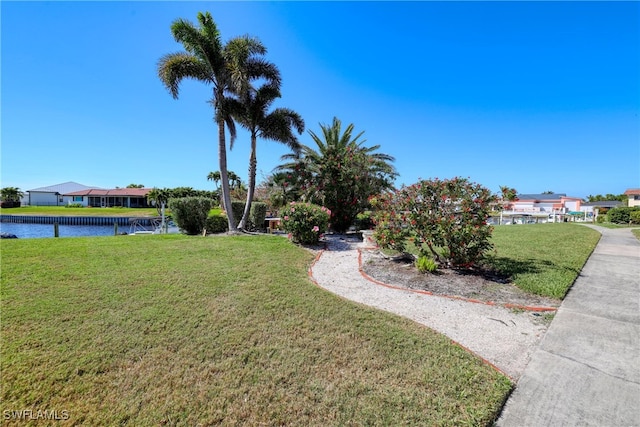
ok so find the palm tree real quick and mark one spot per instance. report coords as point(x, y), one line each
point(158, 197)
point(342, 174)
point(251, 111)
point(215, 177)
point(228, 68)
point(11, 194)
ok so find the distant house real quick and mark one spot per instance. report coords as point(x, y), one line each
point(98, 197)
point(593, 209)
point(634, 197)
point(546, 203)
point(52, 195)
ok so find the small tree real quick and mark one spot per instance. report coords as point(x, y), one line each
point(447, 219)
point(11, 194)
point(190, 213)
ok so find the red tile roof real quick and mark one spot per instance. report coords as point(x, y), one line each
point(632, 192)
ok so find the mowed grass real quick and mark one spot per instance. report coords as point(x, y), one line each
point(178, 330)
point(543, 259)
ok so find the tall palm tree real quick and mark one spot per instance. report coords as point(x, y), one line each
point(251, 111)
point(228, 68)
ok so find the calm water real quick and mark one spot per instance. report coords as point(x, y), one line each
point(46, 230)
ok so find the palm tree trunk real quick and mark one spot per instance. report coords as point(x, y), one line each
point(222, 156)
point(253, 164)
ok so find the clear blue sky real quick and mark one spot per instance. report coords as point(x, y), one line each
point(539, 96)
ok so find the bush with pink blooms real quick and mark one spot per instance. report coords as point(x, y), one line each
point(445, 219)
point(305, 222)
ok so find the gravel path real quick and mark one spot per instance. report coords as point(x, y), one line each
point(503, 337)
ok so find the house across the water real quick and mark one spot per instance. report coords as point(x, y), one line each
point(101, 198)
point(72, 192)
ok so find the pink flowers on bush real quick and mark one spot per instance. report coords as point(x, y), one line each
point(305, 222)
point(447, 220)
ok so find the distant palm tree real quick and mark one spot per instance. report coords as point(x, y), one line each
point(215, 177)
point(251, 111)
point(11, 195)
point(229, 68)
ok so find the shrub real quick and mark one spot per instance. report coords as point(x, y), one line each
point(364, 221)
point(73, 205)
point(190, 213)
point(621, 215)
point(635, 217)
point(305, 222)
point(216, 224)
point(237, 207)
point(446, 219)
point(257, 215)
point(601, 218)
point(425, 264)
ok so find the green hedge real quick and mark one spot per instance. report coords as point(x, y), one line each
point(217, 224)
point(621, 215)
point(190, 213)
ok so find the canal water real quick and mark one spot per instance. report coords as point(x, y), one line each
point(23, 231)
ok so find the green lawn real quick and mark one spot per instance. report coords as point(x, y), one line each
point(177, 330)
point(543, 259)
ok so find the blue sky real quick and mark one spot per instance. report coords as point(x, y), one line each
point(540, 96)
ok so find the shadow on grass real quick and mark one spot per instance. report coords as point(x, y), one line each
point(511, 267)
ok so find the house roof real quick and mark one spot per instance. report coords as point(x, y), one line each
point(64, 188)
point(554, 197)
point(632, 192)
point(604, 204)
point(540, 196)
point(116, 192)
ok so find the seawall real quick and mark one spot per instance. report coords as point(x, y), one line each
point(75, 220)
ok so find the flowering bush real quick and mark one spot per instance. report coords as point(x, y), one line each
point(305, 222)
point(446, 219)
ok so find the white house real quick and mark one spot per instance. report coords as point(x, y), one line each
point(544, 207)
point(100, 197)
point(634, 197)
point(53, 194)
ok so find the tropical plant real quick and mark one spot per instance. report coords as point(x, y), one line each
point(425, 264)
point(251, 111)
point(228, 68)
point(11, 194)
point(278, 191)
point(236, 186)
point(190, 213)
point(215, 177)
point(135, 186)
point(342, 174)
point(159, 197)
point(305, 222)
point(446, 219)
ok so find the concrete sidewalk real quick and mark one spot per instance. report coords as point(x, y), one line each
point(586, 370)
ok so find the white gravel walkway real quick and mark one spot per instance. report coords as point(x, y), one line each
point(501, 336)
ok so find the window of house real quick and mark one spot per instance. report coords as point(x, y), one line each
point(77, 198)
